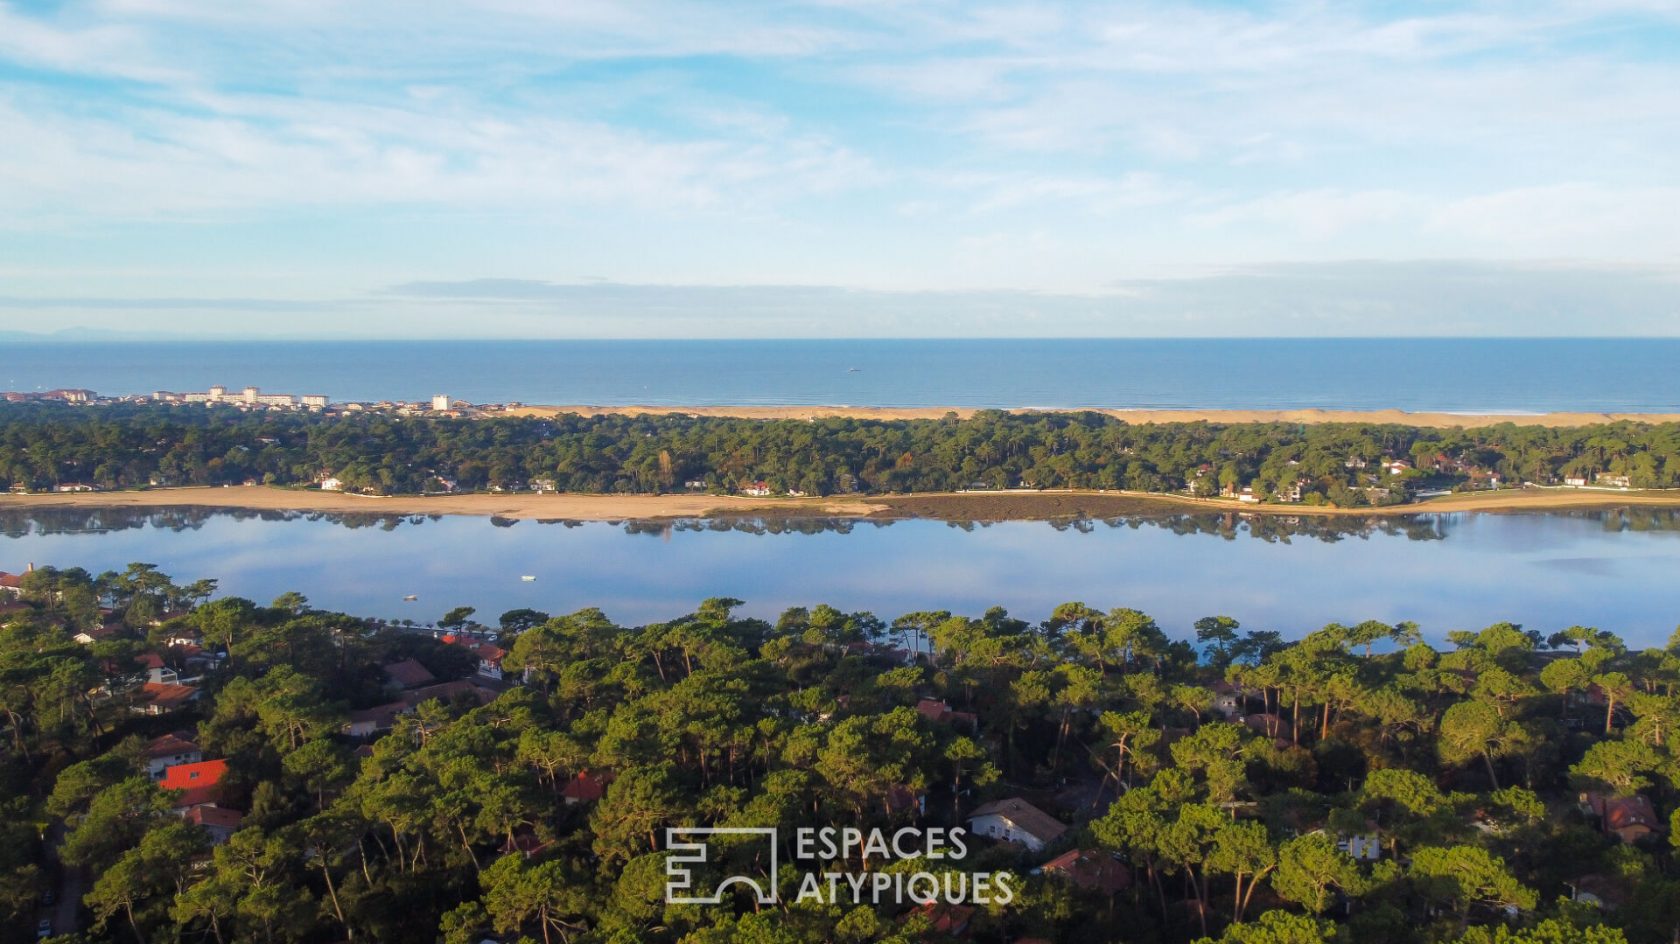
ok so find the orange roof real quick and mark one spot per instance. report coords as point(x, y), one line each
point(199, 783)
point(186, 776)
point(167, 696)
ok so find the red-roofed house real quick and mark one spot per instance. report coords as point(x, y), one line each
point(168, 751)
point(219, 823)
point(1629, 818)
point(11, 583)
point(586, 787)
point(157, 698)
point(490, 658)
point(408, 674)
point(1016, 820)
point(944, 919)
point(940, 713)
point(370, 721)
point(199, 782)
point(1091, 870)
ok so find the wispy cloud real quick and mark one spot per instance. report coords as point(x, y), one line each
point(1006, 146)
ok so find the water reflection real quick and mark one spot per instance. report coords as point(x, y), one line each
point(1609, 568)
point(19, 523)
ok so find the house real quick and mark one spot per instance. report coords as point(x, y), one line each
point(169, 751)
point(331, 483)
point(490, 658)
point(12, 584)
point(199, 783)
point(1629, 818)
point(757, 489)
point(526, 843)
point(1016, 820)
point(447, 691)
point(370, 721)
point(1362, 848)
point(945, 919)
point(156, 670)
point(1229, 701)
point(219, 823)
point(939, 712)
point(88, 637)
point(157, 698)
point(1091, 870)
point(1397, 466)
point(1271, 725)
point(408, 674)
point(586, 787)
point(1579, 481)
point(1609, 480)
point(901, 798)
point(1247, 495)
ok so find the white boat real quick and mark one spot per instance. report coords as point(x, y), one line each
point(528, 578)
point(411, 598)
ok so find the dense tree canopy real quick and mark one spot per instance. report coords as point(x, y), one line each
point(134, 445)
point(1357, 784)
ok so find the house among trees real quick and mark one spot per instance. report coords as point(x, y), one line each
point(1015, 820)
point(586, 787)
point(199, 783)
point(408, 673)
point(1628, 818)
point(159, 698)
point(169, 751)
point(945, 919)
point(937, 711)
point(1091, 870)
point(219, 823)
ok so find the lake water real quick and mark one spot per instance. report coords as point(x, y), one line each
point(1615, 570)
point(1465, 375)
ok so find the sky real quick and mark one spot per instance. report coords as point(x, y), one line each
point(607, 168)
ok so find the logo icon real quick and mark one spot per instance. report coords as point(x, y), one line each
point(690, 846)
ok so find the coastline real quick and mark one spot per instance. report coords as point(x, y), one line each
point(949, 506)
point(1314, 416)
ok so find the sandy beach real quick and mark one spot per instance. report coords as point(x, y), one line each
point(956, 506)
point(1314, 416)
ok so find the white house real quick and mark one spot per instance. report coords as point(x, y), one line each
point(331, 483)
point(1015, 820)
point(169, 750)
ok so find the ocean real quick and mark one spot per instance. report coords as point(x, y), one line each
point(1457, 375)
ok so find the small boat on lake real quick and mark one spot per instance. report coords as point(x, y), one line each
point(411, 598)
point(528, 577)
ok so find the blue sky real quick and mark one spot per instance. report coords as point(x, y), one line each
point(845, 168)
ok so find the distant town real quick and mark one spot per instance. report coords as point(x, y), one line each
point(254, 398)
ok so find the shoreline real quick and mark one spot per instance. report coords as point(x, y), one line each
point(1310, 416)
point(945, 506)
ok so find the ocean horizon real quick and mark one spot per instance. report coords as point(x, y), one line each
point(1511, 376)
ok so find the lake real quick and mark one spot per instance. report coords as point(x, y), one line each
point(1473, 375)
point(1611, 569)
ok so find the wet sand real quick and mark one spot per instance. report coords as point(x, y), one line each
point(957, 506)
